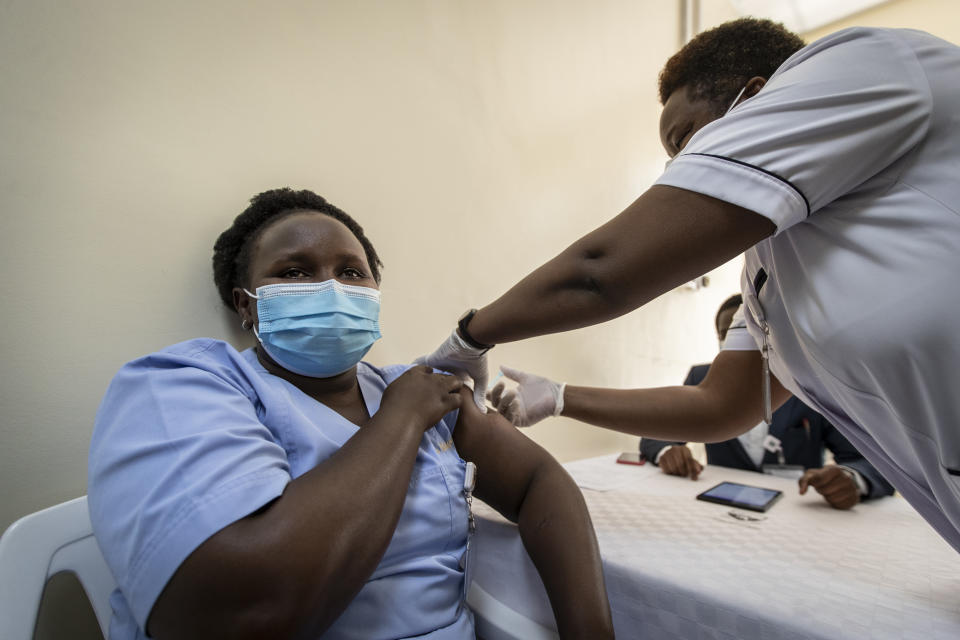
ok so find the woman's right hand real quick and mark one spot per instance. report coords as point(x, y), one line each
point(422, 396)
point(534, 398)
point(462, 360)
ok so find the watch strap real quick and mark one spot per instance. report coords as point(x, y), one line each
point(465, 334)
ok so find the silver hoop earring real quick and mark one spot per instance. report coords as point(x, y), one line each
point(246, 325)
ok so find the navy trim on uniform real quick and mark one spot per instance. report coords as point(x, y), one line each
point(953, 472)
point(759, 281)
point(760, 169)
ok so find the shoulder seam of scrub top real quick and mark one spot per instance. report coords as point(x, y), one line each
point(761, 170)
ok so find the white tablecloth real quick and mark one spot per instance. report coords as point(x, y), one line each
point(677, 567)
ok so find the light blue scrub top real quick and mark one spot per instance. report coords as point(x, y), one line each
point(194, 437)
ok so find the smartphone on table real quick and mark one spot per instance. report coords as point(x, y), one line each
point(631, 458)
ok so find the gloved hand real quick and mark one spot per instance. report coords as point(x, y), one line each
point(533, 400)
point(459, 358)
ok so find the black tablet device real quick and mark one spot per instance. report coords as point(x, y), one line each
point(742, 496)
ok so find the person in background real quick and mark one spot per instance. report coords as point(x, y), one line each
point(799, 437)
point(292, 490)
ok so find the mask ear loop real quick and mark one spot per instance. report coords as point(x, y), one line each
point(252, 325)
point(732, 105)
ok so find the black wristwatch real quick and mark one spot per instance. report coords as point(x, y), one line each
point(462, 325)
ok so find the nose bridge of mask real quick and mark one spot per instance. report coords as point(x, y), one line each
point(317, 329)
point(284, 289)
point(332, 299)
point(330, 305)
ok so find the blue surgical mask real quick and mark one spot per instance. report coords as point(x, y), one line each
point(317, 329)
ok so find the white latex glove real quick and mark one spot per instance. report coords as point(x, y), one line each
point(459, 358)
point(534, 399)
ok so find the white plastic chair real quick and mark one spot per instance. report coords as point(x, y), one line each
point(60, 538)
point(36, 547)
point(496, 621)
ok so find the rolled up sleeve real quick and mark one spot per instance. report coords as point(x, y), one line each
point(178, 453)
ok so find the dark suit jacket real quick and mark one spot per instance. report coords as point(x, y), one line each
point(798, 447)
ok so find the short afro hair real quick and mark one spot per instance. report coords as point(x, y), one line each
point(231, 253)
point(717, 63)
point(732, 302)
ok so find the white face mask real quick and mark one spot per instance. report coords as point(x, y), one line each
point(732, 105)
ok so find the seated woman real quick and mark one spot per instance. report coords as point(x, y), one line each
point(293, 491)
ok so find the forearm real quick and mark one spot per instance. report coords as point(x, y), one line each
point(290, 569)
point(689, 414)
point(340, 517)
point(557, 533)
point(665, 238)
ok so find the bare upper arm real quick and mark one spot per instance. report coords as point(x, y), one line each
point(670, 236)
point(666, 237)
point(506, 459)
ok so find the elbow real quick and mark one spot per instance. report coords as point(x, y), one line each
point(551, 491)
point(589, 272)
point(731, 424)
point(265, 605)
point(247, 620)
point(280, 615)
point(266, 619)
point(291, 609)
point(726, 416)
point(545, 479)
point(593, 279)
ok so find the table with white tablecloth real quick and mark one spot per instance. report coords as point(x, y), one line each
point(677, 567)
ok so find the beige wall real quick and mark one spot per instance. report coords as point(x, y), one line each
point(472, 140)
point(939, 17)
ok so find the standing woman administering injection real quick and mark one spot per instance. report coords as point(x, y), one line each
point(835, 167)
